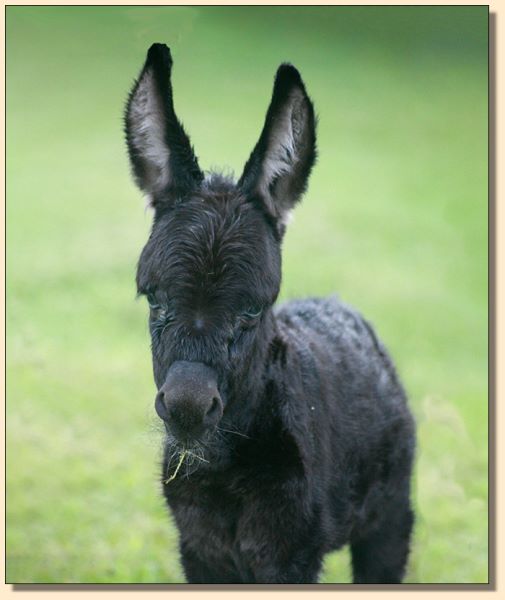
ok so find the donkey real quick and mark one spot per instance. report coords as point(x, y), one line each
point(287, 431)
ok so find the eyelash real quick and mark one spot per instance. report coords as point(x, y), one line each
point(252, 313)
point(250, 318)
point(160, 314)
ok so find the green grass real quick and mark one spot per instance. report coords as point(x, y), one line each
point(395, 221)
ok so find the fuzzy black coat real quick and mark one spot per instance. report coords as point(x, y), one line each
point(288, 432)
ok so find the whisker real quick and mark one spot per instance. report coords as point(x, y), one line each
point(196, 456)
point(234, 432)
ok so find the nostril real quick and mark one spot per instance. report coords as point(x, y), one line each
point(213, 411)
point(159, 405)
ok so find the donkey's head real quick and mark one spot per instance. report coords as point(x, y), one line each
point(211, 268)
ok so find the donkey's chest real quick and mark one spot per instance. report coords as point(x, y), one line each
point(213, 519)
point(208, 519)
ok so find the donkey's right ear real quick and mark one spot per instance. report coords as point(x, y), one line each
point(279, 167)
point(163, 162)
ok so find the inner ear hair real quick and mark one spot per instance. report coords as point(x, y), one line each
point(281, 149)
point(149, 152)
point(284, 173)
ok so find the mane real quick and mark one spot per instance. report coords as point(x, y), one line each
point(217, 183)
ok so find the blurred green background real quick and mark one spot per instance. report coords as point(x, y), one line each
point(395, 221)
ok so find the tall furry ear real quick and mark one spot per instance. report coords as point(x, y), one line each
point(279, 167)
point(163, 162)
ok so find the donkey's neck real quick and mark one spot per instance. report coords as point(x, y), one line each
point(250, 388)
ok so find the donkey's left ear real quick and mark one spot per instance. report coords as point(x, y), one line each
point(164, 164)
point(279, 167)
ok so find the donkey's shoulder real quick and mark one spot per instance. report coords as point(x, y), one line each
point(327, 315)
point(333, 326)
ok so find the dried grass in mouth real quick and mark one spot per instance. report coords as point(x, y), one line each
point(174, 474)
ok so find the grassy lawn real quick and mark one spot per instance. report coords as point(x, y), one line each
point(395, 221)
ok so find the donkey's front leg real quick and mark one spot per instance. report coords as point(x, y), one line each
point(300, 568)
point(273, 562)
point(198, 569)
point(278, 541)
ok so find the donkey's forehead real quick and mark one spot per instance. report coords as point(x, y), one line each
point(211, 245)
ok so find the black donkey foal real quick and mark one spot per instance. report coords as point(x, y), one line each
point(287, 431)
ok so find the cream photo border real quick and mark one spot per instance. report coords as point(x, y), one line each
point(496, 380)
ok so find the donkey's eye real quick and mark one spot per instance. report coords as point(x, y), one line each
point(159, 313)
point(252, 313)
point(250, 317)
point(151, 299)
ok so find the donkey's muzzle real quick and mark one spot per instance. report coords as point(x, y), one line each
point(189, 401)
